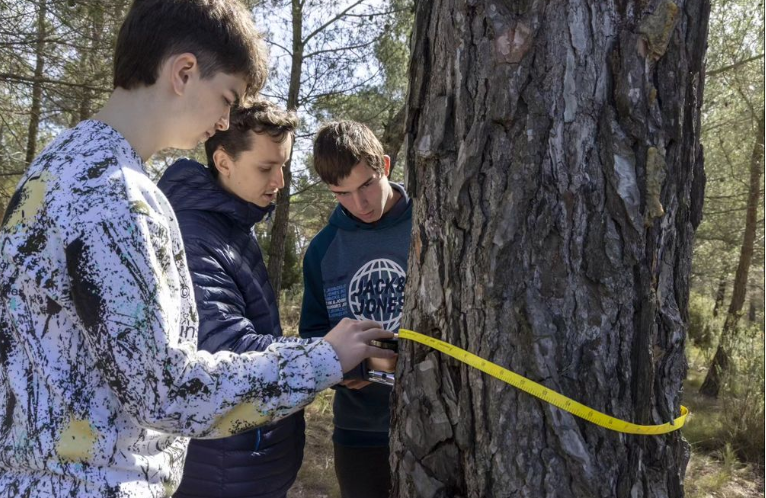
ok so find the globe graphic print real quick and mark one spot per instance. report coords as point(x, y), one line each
point(380, 276)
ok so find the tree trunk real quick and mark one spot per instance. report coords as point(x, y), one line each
point(96, 12)
point(393, 136)
point(720, 294)
point(553, 154)
point(722, 360)
point(751, 312)
point(37, 86)
point(282, 213)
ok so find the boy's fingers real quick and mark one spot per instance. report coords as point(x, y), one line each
point(373, 352)
point(367, 324)
point(375, 333)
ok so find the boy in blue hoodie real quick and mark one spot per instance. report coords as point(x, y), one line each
point(356, 267)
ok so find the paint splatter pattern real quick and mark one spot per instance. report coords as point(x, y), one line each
point(100, 380)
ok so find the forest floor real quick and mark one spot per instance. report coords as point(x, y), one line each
point(714, 471)
point(711, 473)
point(316, 478)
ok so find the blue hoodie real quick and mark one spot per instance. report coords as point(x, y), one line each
point(358, 270)
point(237, 312)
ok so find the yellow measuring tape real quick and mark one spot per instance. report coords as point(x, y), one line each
point(542, 392)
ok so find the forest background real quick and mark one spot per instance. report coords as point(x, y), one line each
point(349, 60)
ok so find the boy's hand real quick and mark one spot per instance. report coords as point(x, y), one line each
point(355, 384)
point(383, 365)
point(351, 338)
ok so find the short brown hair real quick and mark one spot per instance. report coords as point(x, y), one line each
point(341, 145)
point(220, 33)
point(260, 116)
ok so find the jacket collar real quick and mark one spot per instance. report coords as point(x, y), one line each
point(189, 185)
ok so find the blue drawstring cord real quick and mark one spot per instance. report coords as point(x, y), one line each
point(257, 441)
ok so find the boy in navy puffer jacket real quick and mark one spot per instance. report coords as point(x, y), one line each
point(217, 207)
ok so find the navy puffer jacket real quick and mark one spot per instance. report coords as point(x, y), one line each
point(237, 312)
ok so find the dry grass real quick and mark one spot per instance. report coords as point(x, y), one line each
point(714, 470)
point(316, 478)
point(721, 476)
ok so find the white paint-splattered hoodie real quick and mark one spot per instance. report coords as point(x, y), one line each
point(101, 382)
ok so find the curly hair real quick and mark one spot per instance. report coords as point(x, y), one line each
point(259, 116)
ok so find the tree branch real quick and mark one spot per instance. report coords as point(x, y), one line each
point(339, 49)
point(307, 187)
point(280, 46)
point(723, 69)
point(312, 98)
point(31, 80)
point(334, 19)
point(375, 14)
point(726, 211)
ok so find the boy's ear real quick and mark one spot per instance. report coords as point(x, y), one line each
point(182, 68)
point(387, 165)
point(222, 162)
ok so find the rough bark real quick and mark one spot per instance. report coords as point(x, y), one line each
point(553, 154)
point(37, 87)
point(278, 240)
point(722, 359)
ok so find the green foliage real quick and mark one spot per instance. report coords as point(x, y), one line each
point(733, 103)
point(333, 60)
point(77, 45)
point(291, 274)
point(290, 309)
point(736, 419)
point(316, 478)
point(734, 98)
point(743, 398)
point(377, 104)
point(704, 328)
point(291, 270)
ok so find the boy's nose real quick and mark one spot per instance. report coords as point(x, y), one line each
point(223, 123)
point(278, 178)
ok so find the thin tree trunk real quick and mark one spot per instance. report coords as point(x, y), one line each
point(751, 312)
point(553, 155)
point(393, 135)
point(722, 359)
point(85, 109)
point(720, 294)
point(37, 86)
point(282, 213)
point(5, 163)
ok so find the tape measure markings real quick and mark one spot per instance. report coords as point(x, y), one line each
point(544, 393)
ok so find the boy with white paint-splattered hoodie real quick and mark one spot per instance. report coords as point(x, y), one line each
point(101, 382)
